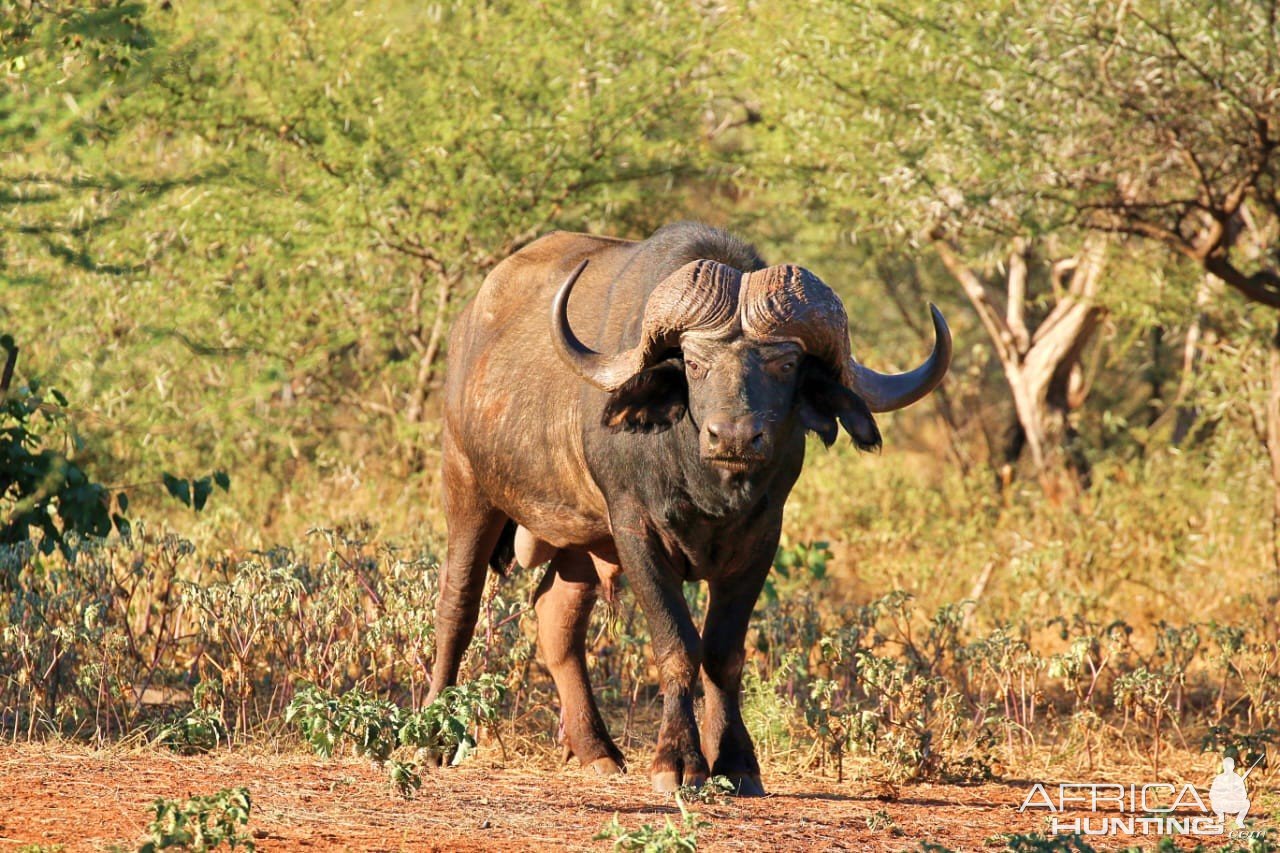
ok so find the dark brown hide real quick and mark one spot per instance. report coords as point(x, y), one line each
point(673, 463)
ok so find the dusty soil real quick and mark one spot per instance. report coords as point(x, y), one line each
point(91, 800)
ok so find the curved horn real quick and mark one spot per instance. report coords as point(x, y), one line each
point(700, 296)
point(790, 303)
point(607, 373)
point(884, 392)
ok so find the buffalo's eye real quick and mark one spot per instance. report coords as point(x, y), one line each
point(695, 370)
point(785, 367)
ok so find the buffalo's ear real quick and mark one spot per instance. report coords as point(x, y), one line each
point(823, 401)
point(651, 401)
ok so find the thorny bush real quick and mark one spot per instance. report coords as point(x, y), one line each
point(335, 638)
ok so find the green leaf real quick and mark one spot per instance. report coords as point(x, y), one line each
point(180, 489)
point(223, 481)
point(203, 488)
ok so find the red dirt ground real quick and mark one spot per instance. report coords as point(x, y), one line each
point(90, 800)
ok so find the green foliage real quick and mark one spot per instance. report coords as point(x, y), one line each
point(200, 730)
point(242, 195)
point(195, 493)
point(376, 727)
point(654, 839)
point(796, 565)
point(712, 791)
point(1244, 746)
point(881, 821)
point(41, 490)
point(200, 823)
point(326, 721)
point(448, 724)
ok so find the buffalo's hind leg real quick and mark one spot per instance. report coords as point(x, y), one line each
point(563, 603)
point(474, 527)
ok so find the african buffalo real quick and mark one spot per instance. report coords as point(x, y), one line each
point(641, 407)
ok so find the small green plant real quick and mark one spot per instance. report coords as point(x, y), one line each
point(1036, 843)
point(376, 728)
point(828, 717)
point(450, 723)
point(325, 721)
point(652, 839)
point(882, 821)
point(712, 791)
point(200, 730)
point(404, 778)
point(200, 823)
point(1241, 745)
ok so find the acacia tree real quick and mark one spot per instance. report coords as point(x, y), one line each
point(361, 168)
point(893, 115)
point(1042, 363)
point(445, 147)
point(65, 68)
point(1182, 122)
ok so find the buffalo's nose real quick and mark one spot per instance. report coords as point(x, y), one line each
point(736, 435)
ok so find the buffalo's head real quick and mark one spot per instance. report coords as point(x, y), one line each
point(740, 354)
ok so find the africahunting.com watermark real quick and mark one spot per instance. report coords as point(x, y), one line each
point(1149, 808)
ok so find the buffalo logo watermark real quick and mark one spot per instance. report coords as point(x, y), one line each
point(1142, 809)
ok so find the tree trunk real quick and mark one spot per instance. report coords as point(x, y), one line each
point(6, 375)
point(1156, 373)
point(430, 350)
point(1041, 366)
point(1187, 413)
point(1273, 447)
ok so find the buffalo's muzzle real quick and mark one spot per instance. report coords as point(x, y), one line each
point(734, 441)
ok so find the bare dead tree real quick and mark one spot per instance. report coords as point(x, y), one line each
point(1042, 365)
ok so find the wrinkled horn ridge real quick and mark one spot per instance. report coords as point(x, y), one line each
point(700, 296)
point(779, 303)
point(884, 392)
point(790, 303)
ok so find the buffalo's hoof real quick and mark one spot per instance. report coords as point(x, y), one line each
point(669, 781)
point(670, 774)
point(747, 785)
point(607, 766)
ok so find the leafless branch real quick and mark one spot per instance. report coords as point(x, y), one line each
point(999, 333)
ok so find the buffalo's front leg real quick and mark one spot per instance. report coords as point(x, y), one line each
point(678, 759)
point(724, 736)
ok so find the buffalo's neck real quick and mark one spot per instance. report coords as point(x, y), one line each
point(664, 473)
point(715, 492)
